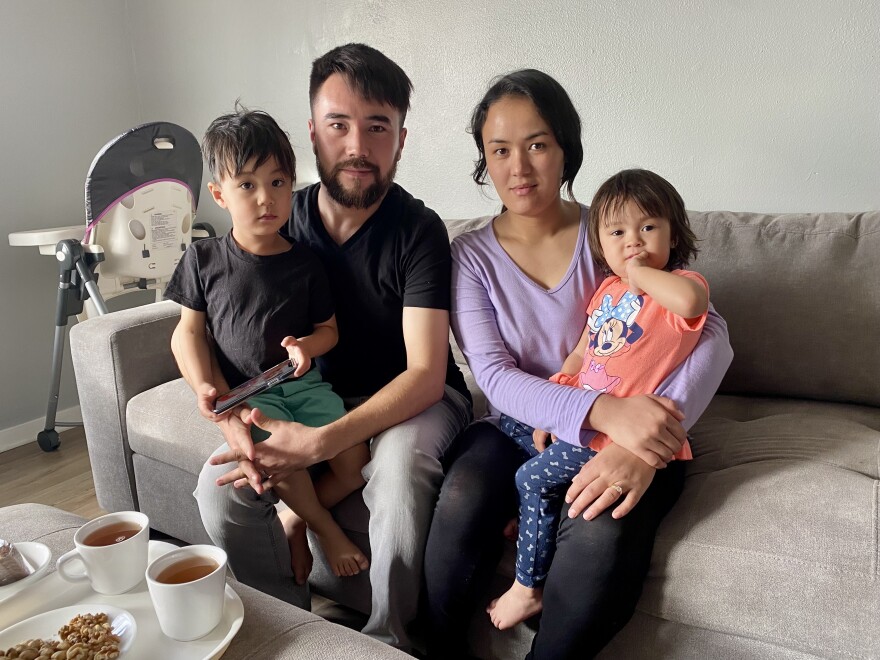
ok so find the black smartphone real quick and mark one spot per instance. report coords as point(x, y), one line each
point(269, 378)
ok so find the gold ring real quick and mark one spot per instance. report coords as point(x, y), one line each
point(617, 487)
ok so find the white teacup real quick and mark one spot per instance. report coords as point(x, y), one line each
point(187, 587)
point(113, 551)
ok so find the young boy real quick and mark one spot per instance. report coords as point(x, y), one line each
point(250, 300)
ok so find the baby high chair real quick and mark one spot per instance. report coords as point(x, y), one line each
point(142, 191)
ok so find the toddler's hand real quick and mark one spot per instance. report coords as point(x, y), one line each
point(206, 396)
point(542, 439)
point(565, 379)
point(632, 270)
point(298, 355)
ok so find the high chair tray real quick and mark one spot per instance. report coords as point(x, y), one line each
point(46, 239)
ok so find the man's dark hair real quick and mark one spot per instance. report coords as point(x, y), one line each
point(553, 105)
point(234, 139)
point(371, 74)
point(657, 198)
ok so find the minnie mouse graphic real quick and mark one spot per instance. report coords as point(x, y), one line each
point(612, 332)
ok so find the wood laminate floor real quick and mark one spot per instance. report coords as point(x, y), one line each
point(61, 478)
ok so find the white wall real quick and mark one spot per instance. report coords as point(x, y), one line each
point(742, 104)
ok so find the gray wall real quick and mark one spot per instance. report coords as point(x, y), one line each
point(743, 105)
point(68, 86)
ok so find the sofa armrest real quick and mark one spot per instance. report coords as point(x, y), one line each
point(116, 357)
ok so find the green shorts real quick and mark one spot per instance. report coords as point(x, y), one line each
point(308, 400)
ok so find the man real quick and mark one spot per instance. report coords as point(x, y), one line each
point(387, 257)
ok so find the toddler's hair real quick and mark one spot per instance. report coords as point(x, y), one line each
point(234, 139)
point(656, 197)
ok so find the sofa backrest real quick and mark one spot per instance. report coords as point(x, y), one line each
point(801, 297)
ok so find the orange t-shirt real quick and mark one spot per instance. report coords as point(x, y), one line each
point(635, 343)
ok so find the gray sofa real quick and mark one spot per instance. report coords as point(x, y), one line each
point(773, 549)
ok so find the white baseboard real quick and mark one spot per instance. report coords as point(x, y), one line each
point(24, 433)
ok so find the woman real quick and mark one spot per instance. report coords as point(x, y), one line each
point(520, 285)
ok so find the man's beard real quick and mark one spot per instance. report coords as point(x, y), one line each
point(357, 197)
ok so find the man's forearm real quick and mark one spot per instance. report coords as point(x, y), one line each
point(409, 394)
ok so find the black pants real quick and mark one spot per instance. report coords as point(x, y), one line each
point(596, 576)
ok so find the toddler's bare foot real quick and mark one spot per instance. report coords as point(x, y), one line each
point(511, 529)
point(515, 606)
point(300, 555)
point(344, 557)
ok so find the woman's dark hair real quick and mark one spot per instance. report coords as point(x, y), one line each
point(553, 105)
point(656, 197)
point(373, 75)
point(234, 139)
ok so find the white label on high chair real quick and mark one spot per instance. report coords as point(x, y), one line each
point(164, 230)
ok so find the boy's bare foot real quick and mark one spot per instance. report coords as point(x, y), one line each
point(344, 557)
point(515, 606)
point(300, 555)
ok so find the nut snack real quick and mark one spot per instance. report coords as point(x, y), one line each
point(86, 637)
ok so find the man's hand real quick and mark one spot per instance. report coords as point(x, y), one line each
point(298, 355)
point(290, 447)
point(647, 425)
point(237, 434)
point(612, 474)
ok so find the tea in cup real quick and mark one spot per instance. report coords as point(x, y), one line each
point(112, 550)
point(188, 590)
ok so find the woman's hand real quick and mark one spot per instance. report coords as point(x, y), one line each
point(647, 425)
point(612, 474)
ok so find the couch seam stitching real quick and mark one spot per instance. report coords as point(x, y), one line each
point(777, 558)
point(761, 638)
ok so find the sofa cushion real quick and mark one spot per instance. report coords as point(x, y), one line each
point(800, 301)
point(164, 424)
point(774, 537)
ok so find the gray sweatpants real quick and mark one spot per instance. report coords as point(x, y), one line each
point(403, 481)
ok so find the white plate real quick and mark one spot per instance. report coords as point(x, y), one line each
point(38, 556)
point(46, 625)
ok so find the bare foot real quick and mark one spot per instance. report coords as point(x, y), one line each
point(300, 555)
point(515, 606)
point(344, 557)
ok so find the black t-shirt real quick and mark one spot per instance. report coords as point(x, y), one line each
point(251, 302)
point(399, 258)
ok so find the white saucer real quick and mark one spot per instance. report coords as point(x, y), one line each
point(38, 557)
point(46, 625)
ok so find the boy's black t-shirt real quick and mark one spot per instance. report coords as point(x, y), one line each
point(251, 302)
point(399, 258)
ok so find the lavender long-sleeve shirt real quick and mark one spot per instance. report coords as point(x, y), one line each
point(515, 334)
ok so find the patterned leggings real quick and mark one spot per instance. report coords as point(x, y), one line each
point(542, 481)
